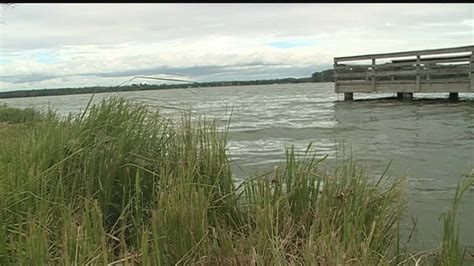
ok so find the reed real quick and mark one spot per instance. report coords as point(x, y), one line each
point(14, 115)
point(125, 185)
point(451, 251)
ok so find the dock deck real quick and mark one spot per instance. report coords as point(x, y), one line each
point(447, 70)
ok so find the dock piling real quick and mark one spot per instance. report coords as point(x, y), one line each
point(453, 96)
point(348, 96)
point(404, 95)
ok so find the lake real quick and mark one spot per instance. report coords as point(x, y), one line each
point(430, 140)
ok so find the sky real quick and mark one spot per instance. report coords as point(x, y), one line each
point(81, 45)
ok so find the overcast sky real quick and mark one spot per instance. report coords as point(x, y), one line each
point(79, 45)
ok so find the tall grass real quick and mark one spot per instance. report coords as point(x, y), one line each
point(451, 251)
point(14, 115)
point(124, 185)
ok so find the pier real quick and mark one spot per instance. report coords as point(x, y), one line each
point(447, 70)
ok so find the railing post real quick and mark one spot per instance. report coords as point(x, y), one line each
point(373, 74)
point(418, 73)
point(471, 72)
point(335, 75)
point(428, 75)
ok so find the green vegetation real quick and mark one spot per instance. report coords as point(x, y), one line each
point(452, 253)
point(14, 115)
point(324, 76)
point(123, 185)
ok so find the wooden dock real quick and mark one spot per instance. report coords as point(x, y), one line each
point(447, 70)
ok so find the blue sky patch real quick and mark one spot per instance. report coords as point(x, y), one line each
point(4, 61)
point(292, 43)
point(45, 57)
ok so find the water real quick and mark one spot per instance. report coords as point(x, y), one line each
point(431, 142)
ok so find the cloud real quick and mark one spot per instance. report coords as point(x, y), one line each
point(27, 78)
point(51, 45)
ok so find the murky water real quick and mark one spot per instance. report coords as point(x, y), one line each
point(431, 142)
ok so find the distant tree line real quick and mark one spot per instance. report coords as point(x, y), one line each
point(324, 76)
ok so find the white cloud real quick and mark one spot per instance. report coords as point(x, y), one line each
point(66, 45)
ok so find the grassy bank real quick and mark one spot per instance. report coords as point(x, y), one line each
point(123, 185)
point(9, 115)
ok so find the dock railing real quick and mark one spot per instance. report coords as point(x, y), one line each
point(438, 70)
